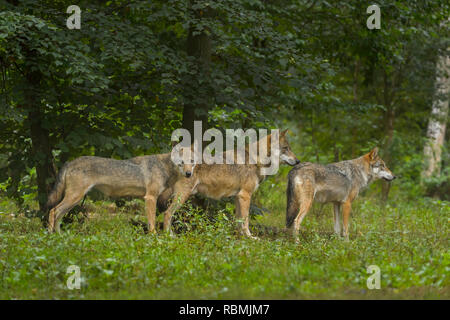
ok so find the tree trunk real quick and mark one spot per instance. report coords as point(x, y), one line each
point(354, 129)
point(197, 87)
point(438, 120)
point(313, 139)
point(41, 151)
point(389, 117)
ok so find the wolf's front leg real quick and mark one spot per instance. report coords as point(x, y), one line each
point(242, 212)
point(181, 194)
point(150, 207)
point(346, 210)
point(337, 218)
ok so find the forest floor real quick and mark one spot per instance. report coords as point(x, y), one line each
point(207, 259)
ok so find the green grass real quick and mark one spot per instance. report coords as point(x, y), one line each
point(408, 240)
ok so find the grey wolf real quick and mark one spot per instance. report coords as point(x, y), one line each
point(150, 177)
point(339, 183)
point(230, 180)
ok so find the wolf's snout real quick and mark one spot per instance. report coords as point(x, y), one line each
point(188, 174)
point(297, 161)
point(390, 178)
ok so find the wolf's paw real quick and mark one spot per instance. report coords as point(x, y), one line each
point(170, 233)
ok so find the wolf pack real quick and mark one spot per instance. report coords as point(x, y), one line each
point(166, 184)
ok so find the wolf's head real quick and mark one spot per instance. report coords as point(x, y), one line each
point(286, 154)
point(183, 158)
point(377, 167)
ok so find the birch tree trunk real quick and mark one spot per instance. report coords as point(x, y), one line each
point(438, 120)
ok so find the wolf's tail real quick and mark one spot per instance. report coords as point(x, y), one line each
point(57, 193)
point(292, 203)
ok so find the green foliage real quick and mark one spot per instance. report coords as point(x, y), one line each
point(117, 87)
point(439, 187)
point(407, 241)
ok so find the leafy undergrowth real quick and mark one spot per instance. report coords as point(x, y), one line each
point(207, 259)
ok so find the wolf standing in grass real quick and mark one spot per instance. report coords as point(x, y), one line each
point(217, 181)
point(338, 182)
point(147, 177)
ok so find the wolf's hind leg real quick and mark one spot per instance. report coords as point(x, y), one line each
point(306, 199)
point(57, 213)
point(304, 208)
point(52, 217)
point(337, 218)
point(51, 220)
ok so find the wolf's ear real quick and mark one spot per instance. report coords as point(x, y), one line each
point(373, 154)
point(283, 133)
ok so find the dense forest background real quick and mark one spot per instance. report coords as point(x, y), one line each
point(137, 70)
